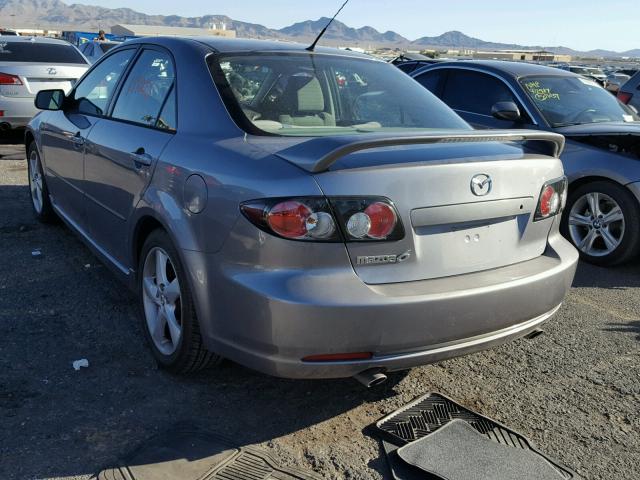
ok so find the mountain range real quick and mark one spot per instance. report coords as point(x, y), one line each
point(55, 14)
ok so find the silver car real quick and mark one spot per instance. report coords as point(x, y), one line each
point(307, 214)
point(31, 64)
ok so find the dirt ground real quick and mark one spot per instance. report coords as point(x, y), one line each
point(574, 391)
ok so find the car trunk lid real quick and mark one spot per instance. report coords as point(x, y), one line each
point(449, 229)
point(36, 77)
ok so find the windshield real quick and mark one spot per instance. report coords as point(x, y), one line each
point(565, 100)
point(317, 94)
point(36, 52)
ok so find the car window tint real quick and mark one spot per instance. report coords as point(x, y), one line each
point(474, 92)
point(145, 89)
point(306, 94)
point(430, 80)
point(93, 93)
point(167, 119)
point(39, 52)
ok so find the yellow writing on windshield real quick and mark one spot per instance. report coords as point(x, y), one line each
point(541, 94)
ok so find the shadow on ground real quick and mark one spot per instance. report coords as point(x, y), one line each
point(619, 277)
point(61, 306)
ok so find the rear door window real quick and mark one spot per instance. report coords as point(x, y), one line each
point(432, 80)
point(37, 52)
point(93, 93)
point(146, 89)
point(475, 92)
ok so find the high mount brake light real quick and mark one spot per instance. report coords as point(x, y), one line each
point(7, 79)
point(324, 220)
point(552, 200)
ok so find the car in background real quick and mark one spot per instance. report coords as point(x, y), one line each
point(628, 71)
point(615, 81)
point(589, 72)
point(602, 155)
point(8, 33)
point(629, 92)
point(94, 50)
point(31, 64)
point(408, 62)
point(307, 214)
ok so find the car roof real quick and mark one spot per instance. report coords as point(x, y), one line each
point(244, 45)
point(19, 39)
point(512, 69)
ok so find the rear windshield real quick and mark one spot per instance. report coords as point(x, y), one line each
point(319, 94)
point(39, 53)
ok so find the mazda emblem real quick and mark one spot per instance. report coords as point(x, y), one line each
point(481, 184)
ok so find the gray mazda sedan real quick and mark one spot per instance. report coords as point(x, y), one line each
point(304, 213)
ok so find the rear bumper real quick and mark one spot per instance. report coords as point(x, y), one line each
point(270, 320)
point(17, 112)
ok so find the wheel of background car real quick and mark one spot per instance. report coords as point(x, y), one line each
point(38, 187)
point(602, 219)
point(167, 309)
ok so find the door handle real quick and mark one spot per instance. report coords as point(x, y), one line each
point(141, 158)
point(76, 139)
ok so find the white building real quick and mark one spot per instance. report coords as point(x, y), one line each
point(164, 31)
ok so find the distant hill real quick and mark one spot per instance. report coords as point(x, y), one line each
point(56, 14)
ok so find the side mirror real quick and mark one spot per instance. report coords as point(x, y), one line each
point(49, 100)
point(506, 111)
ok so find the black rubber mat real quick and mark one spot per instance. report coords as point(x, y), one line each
point(428, 413)
point(458, 451)
point(195, 455)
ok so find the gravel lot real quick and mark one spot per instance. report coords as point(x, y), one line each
point(574, 391)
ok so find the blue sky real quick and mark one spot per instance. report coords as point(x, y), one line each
point(579, 24)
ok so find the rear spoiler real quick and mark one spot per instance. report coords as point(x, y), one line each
point(318, 154)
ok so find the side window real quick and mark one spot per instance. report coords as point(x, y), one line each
point(167, 119)
point(474, 92)
point(431, 80)
point(144, 91)
point(92, 95)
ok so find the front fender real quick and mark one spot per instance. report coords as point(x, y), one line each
point(580, 160)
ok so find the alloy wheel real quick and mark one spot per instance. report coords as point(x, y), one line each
point(596, 224)
point(162, 301)
point(35, 182)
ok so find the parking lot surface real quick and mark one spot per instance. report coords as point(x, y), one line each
point(574, 391)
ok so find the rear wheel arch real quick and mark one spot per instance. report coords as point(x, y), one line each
point(144, 227)
point(28, 139)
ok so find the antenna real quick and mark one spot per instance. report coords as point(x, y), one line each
point(313, 45)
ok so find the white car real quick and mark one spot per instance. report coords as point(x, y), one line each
point(31, 64)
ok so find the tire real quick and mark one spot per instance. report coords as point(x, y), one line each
point(615, 234)
point(40, 201)
point(178, 350)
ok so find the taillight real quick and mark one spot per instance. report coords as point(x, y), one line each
point(319, 219)
point(7, 79)
point(553, 198)
point(624, 97)
point(294, 218)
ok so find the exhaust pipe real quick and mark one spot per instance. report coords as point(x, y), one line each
point(537, 332)
point(371, 378)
